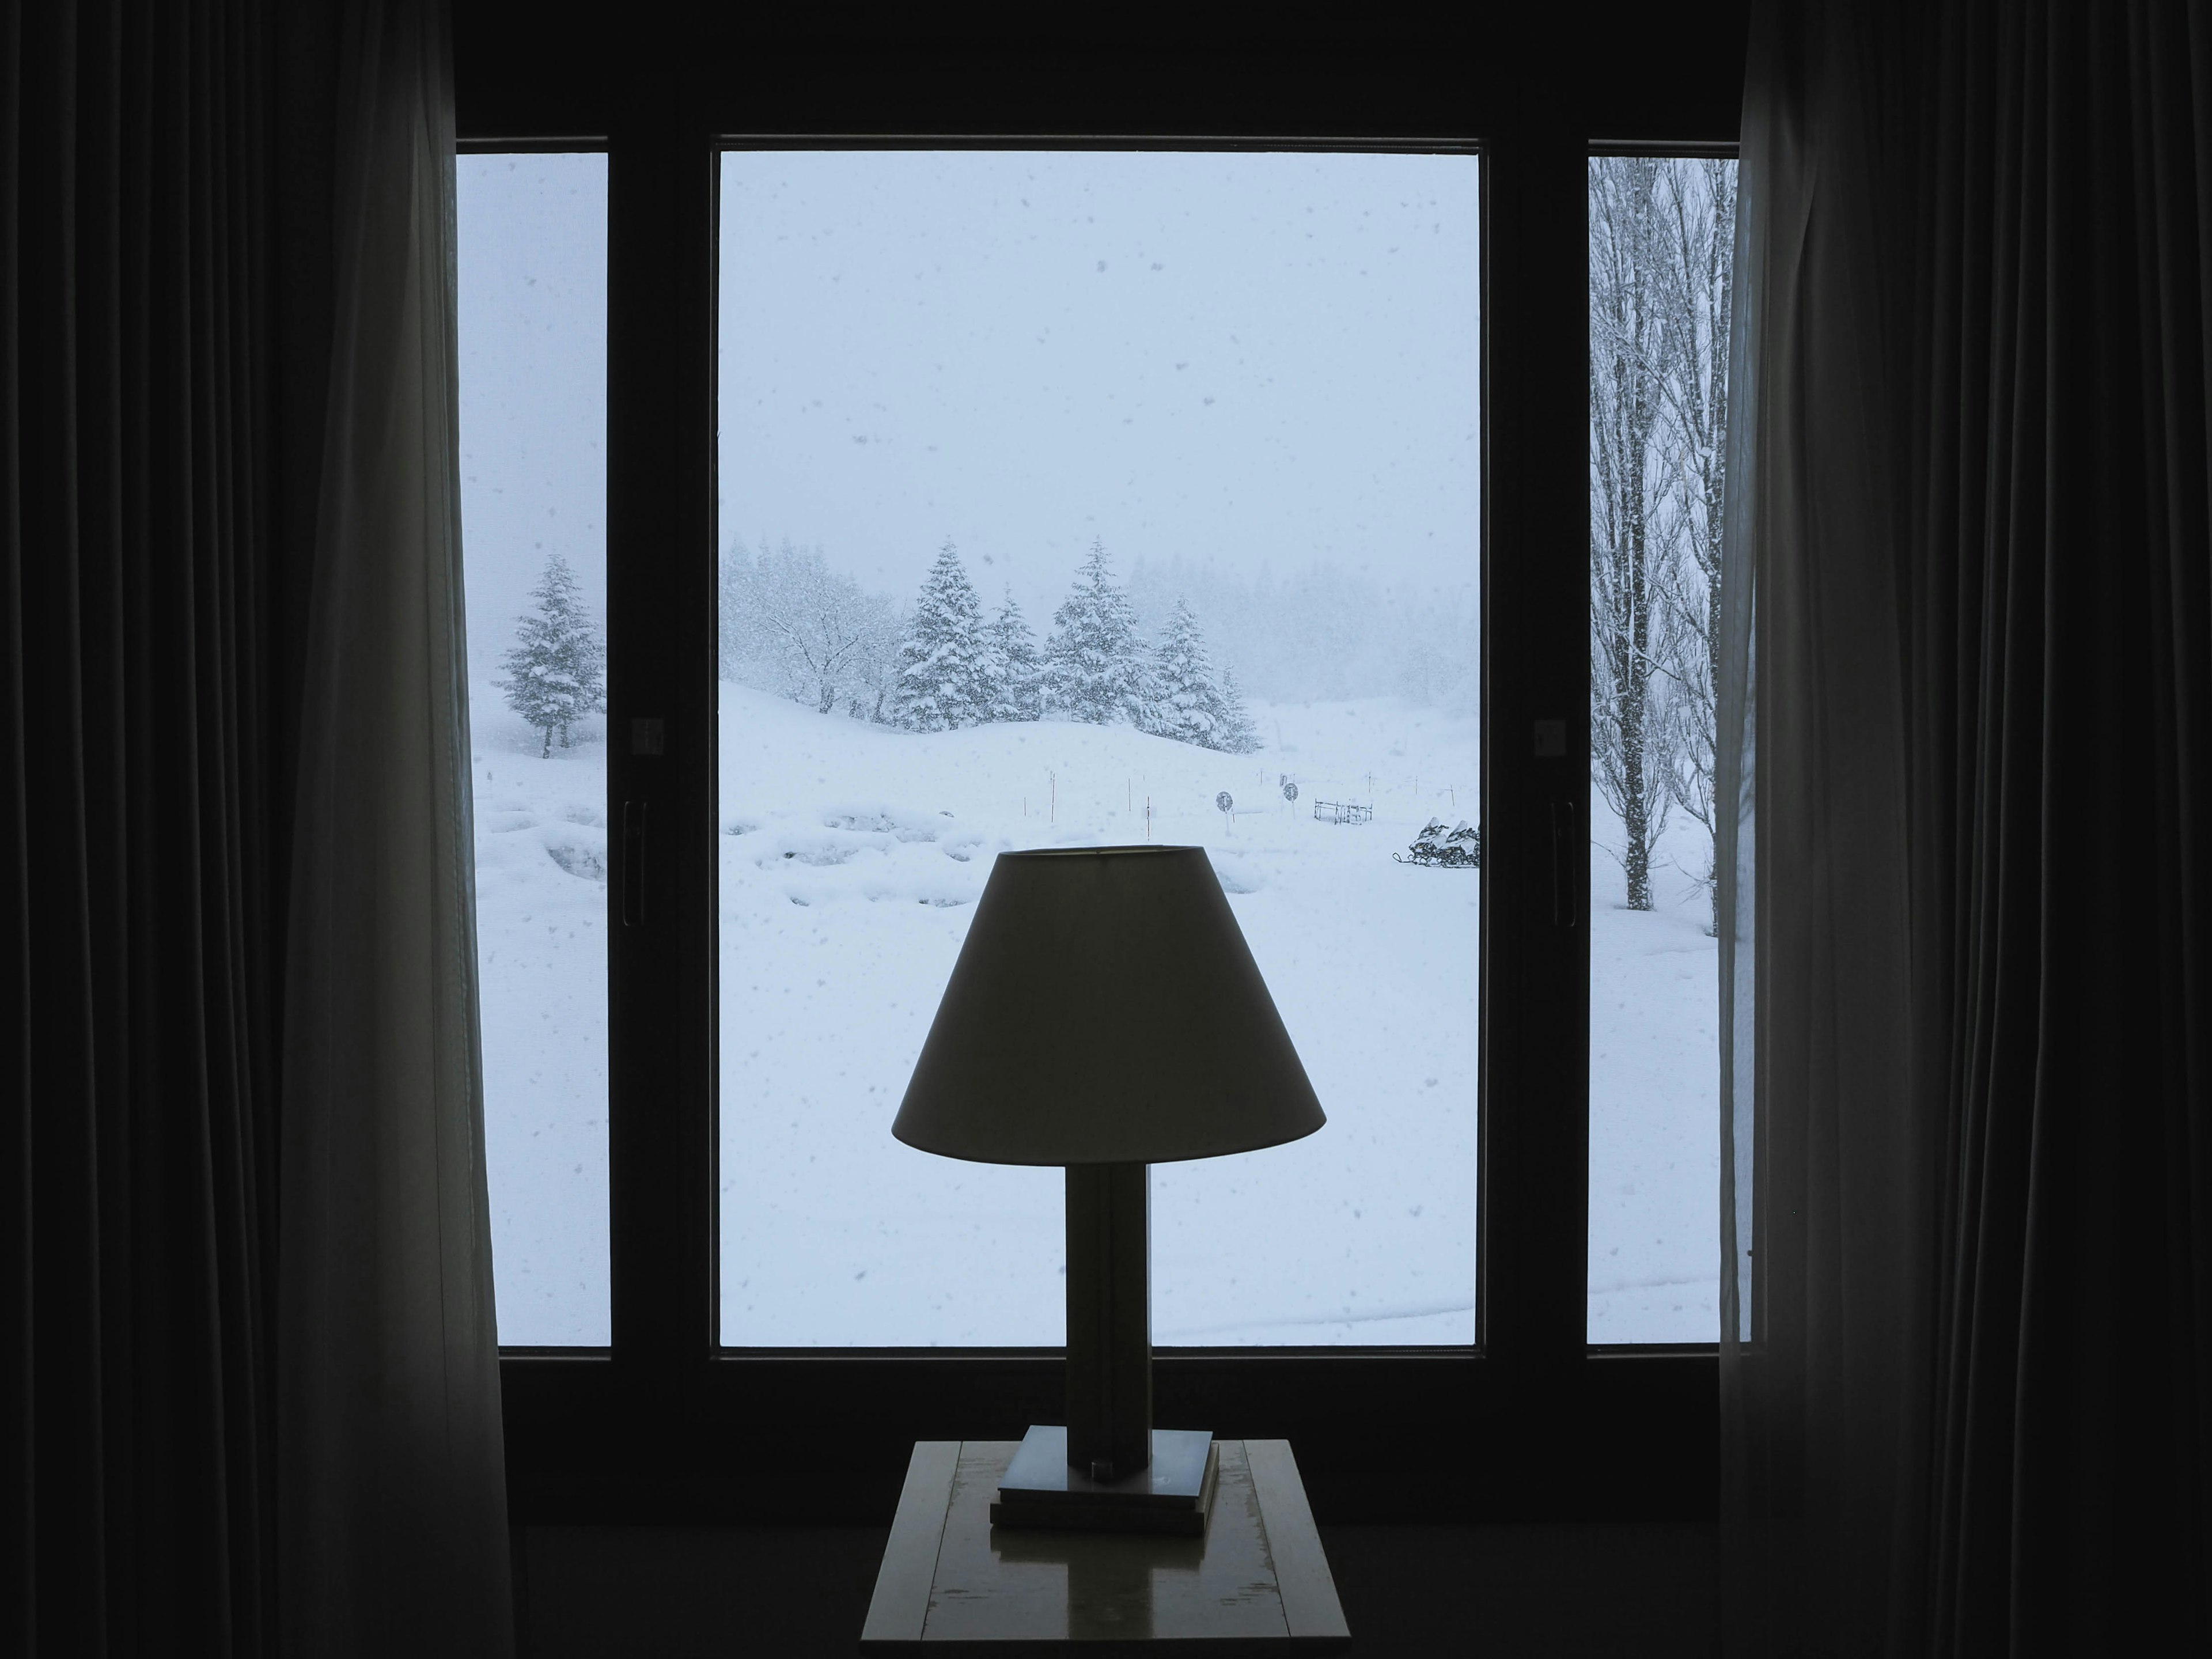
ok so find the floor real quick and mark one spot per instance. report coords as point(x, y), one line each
point(1564, 1591)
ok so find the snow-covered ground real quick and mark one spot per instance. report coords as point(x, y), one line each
point(851, 856)
point(1654, 1097)
point(542, 990)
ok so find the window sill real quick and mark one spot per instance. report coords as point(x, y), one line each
point(823, 1438)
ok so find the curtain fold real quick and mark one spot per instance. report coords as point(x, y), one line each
point(2066, 636)
point(141, 591)
point(1966, 1126)
point(1823, 1398)
point(394, 1479)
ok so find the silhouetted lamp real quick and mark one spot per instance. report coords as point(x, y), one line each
point(1105, 1014)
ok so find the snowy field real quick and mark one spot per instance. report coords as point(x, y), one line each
point(1654, 1097)
point(850, 859)
point(542, 958)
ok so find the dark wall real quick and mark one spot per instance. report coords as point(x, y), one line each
point(1606, 71)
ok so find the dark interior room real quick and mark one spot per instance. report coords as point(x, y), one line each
point(518, 1148)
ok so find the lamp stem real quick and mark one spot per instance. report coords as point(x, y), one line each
point(1109, 1319)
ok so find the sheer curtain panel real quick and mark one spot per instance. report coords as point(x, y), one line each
point(1824, 1202)
point(393, 1478)
point(1967, 1208)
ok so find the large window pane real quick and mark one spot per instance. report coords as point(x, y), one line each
point(534, 296)
point(1661, 232)
point(1224, 408)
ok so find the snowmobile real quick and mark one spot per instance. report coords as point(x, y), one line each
point(1459, 848)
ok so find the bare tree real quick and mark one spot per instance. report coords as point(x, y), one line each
point(1632, 530)
point(1696, 273)
point(791, 624)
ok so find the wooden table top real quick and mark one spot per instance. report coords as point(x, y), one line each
point(1257, 1583)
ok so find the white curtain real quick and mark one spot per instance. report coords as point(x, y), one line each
point(1826, 1167)
point(392, 1475)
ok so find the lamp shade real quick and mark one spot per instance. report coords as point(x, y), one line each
point(1105, 1009)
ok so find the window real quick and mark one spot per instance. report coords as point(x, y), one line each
point(1662, 239)
point(1541, 1413)
point(532, 326)
point(1219, 411)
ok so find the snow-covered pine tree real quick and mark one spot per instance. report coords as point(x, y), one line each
point(556, 669)
point(1017, 673)
point(1094, 666)
point(1234, 733)
point(944, 673)
point(1186, 702)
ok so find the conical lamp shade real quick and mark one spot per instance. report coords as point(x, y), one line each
point(1105, 1009)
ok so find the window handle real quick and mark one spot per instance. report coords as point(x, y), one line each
point(1563, 871)
point(633, 864)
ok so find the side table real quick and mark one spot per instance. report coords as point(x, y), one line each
point(1256, 1583)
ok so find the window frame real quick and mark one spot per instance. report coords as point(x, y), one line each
point(665, 1427)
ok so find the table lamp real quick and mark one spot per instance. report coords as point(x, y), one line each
point(1105, 1014)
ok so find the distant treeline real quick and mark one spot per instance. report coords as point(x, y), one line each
point(792, 624)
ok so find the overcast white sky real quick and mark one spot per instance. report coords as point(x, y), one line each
point(1235, 357)
point(533, 345)
point(1248, 359)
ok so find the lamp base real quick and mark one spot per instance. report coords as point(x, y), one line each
point(1173, 1494)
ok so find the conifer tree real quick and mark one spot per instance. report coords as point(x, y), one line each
point(1235, 735)
point(944, 672)
point(1094, 666)
point(556, 669)
point(1017, 673)
point(1187, 703)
